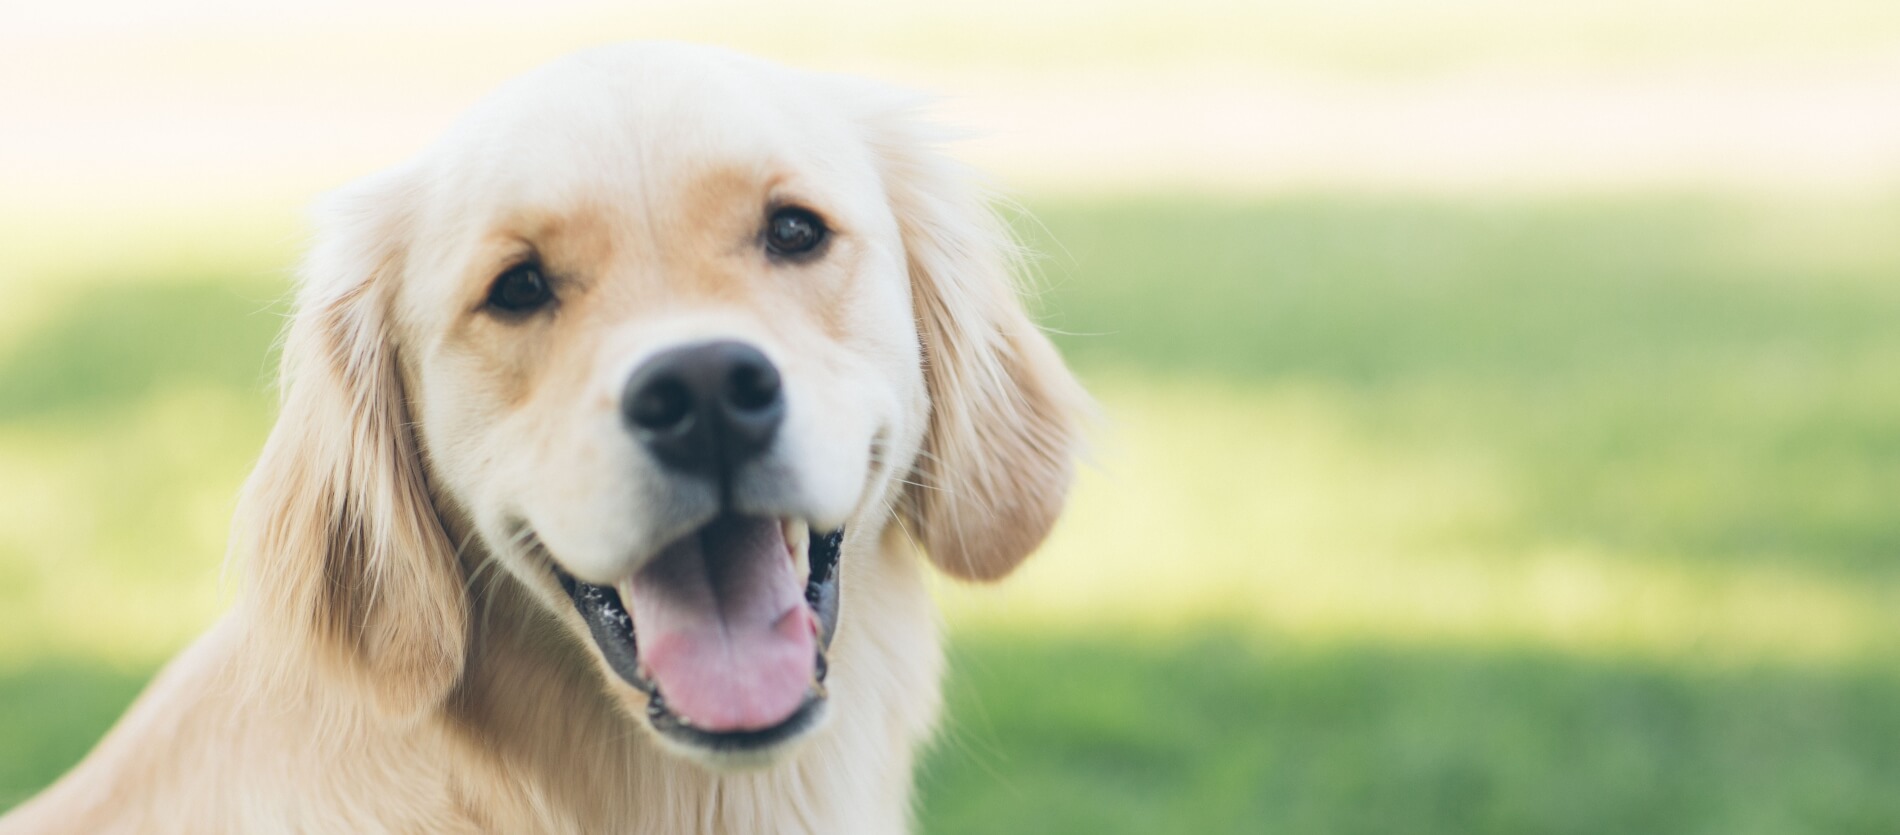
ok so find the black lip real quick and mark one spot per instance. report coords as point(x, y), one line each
point(612, 629)
point(670, 726)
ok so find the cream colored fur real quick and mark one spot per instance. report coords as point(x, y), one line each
point(400, 658)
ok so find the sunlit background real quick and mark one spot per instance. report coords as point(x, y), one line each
point(1502, 399)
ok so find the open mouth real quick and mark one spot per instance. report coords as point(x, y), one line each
point(732, 621)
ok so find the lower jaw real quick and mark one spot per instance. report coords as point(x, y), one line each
point(738, 744)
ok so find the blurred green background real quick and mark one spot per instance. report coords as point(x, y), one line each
point(1502, 404)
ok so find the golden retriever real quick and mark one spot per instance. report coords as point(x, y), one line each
point(614, 426)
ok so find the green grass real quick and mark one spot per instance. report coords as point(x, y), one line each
point(1219, 731)
point(1410, 515)
point(1222, 731)
point(53, 713)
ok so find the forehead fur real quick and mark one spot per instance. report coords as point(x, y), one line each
point(651, 120)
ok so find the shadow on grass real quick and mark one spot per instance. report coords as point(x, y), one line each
point(1388, 291)
point(51, 714)
point(1218, 734)
point(114, 345)
point(1221, 732)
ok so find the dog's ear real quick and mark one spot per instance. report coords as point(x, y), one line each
point(343, 544)
point(999, 451)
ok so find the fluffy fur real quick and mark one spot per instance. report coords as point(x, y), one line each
point(401, 658)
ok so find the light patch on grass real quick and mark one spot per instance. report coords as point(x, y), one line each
point(1278, 508)
point(115, 545)
point(53, 261)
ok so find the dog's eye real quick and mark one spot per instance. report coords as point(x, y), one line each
point(521, 289)
point(792, 231)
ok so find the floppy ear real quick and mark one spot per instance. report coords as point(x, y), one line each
point(1004, 411)
point(343, 544)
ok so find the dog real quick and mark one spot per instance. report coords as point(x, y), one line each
point(617, 429)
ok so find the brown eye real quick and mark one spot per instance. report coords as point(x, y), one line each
point(792, 231)
point(522, 289)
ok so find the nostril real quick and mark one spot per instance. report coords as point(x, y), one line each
point(752, 387)
point(662, 404)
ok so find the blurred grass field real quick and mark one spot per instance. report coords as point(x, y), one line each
point(1417, 514)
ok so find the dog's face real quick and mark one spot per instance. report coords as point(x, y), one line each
point(660, 328)
point(671, 345)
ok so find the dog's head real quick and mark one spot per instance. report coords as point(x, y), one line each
point(656, 328)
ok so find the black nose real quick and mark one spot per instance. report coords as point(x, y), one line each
point(705, 409)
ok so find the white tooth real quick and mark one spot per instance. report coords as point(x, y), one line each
point(798, 542)
point(625, 587)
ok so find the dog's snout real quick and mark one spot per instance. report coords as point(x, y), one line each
point(705, 408)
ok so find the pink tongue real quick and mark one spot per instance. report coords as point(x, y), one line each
point(723, 627)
